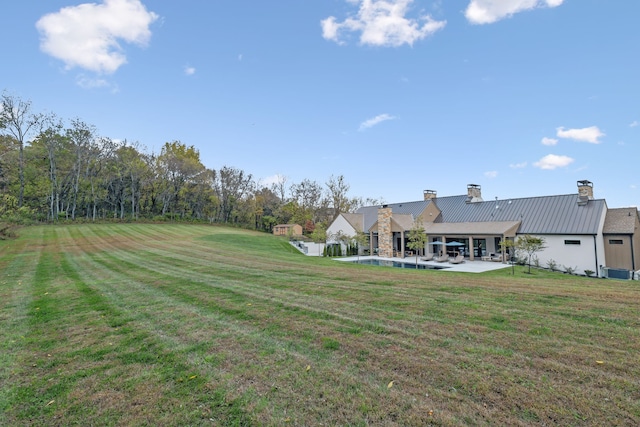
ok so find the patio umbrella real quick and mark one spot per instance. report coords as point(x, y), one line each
point(456, 244)
point(436, 243)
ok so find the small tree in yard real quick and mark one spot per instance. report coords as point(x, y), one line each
point(361, 240)
point(529, 245)
point(417, 238)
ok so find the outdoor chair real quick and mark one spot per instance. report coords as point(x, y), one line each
point(427, 257)
point(442, 258)
point(457, 260)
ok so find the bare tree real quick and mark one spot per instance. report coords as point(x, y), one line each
point(338, 198)
point(21, 123)
point(231, 186)
point(50, 137)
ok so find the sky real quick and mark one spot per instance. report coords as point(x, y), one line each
point(521, 97)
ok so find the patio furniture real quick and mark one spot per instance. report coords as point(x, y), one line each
point(427, 257)
point(457, 260)
point(442, 258)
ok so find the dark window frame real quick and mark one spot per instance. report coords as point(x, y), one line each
point(616, 242)
point(572, 242)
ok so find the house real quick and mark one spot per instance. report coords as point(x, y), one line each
point(287, 229)
point(622, 239)
point(580, 232)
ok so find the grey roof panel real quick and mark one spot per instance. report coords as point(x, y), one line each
point(412, 208)
point(537, 215)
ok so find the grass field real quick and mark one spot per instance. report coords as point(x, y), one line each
point(198, 325)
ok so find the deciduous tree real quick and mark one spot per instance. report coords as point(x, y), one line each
point(529, 245)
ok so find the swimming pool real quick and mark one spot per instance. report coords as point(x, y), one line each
point(396, 264)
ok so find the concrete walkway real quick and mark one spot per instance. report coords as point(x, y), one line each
point(466, 267)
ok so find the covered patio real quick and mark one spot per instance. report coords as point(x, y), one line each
point(476, 241)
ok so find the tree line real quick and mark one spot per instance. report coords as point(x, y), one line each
point(52, 170)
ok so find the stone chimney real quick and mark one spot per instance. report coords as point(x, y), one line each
point(430, 194)
point(474, 194)
point(385, 235)
point(585, 192)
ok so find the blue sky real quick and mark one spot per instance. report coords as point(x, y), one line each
point(523, 97)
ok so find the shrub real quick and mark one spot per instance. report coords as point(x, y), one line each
point(589, 273)
point(569, 270)
point(552, 265)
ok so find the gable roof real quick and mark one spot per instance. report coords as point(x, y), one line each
point(370, 213)
point(536, 215)
point(620, 221)
point(355, 220)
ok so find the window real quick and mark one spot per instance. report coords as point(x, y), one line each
point(615, 241)
point(572, 242)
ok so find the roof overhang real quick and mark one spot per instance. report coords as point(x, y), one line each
point(493, 228)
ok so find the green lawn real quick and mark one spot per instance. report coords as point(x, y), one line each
point(199, 325)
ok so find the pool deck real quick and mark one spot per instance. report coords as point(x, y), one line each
point(465, 267)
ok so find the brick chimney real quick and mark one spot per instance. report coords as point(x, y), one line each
point(585, 192)
point(474, 193)
point(429, 194)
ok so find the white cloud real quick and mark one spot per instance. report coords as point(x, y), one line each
point(590, 134)
point(382, 23)
point(88, 35)
point(189, 71)
point(374, 121)
point(90, 83)
point(518, 165)
point(552, 161)
point(633, 124)
point(491, 174)
point(549, 141)
point(489, 11)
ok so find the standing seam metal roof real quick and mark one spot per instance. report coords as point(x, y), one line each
point(537, 215)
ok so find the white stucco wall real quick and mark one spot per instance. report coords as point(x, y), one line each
point(340, 224)
point(581, 257)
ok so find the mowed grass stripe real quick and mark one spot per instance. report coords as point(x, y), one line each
point(129, 361)
point(477, 350)
point(231, 285)
point(19, 261)
point(466, 363)
point(236, 284)
point(263, 346)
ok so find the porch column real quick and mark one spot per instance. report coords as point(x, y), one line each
point(402, 244)
point(444, 245)
point(385, 235)
point(471, 248)
point(370, 243)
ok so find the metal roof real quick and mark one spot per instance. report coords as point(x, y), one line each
point(561, 214)
point(537, 215)
point(371, 212)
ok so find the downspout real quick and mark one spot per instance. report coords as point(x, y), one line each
point(595, 250)
point(633, 259)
